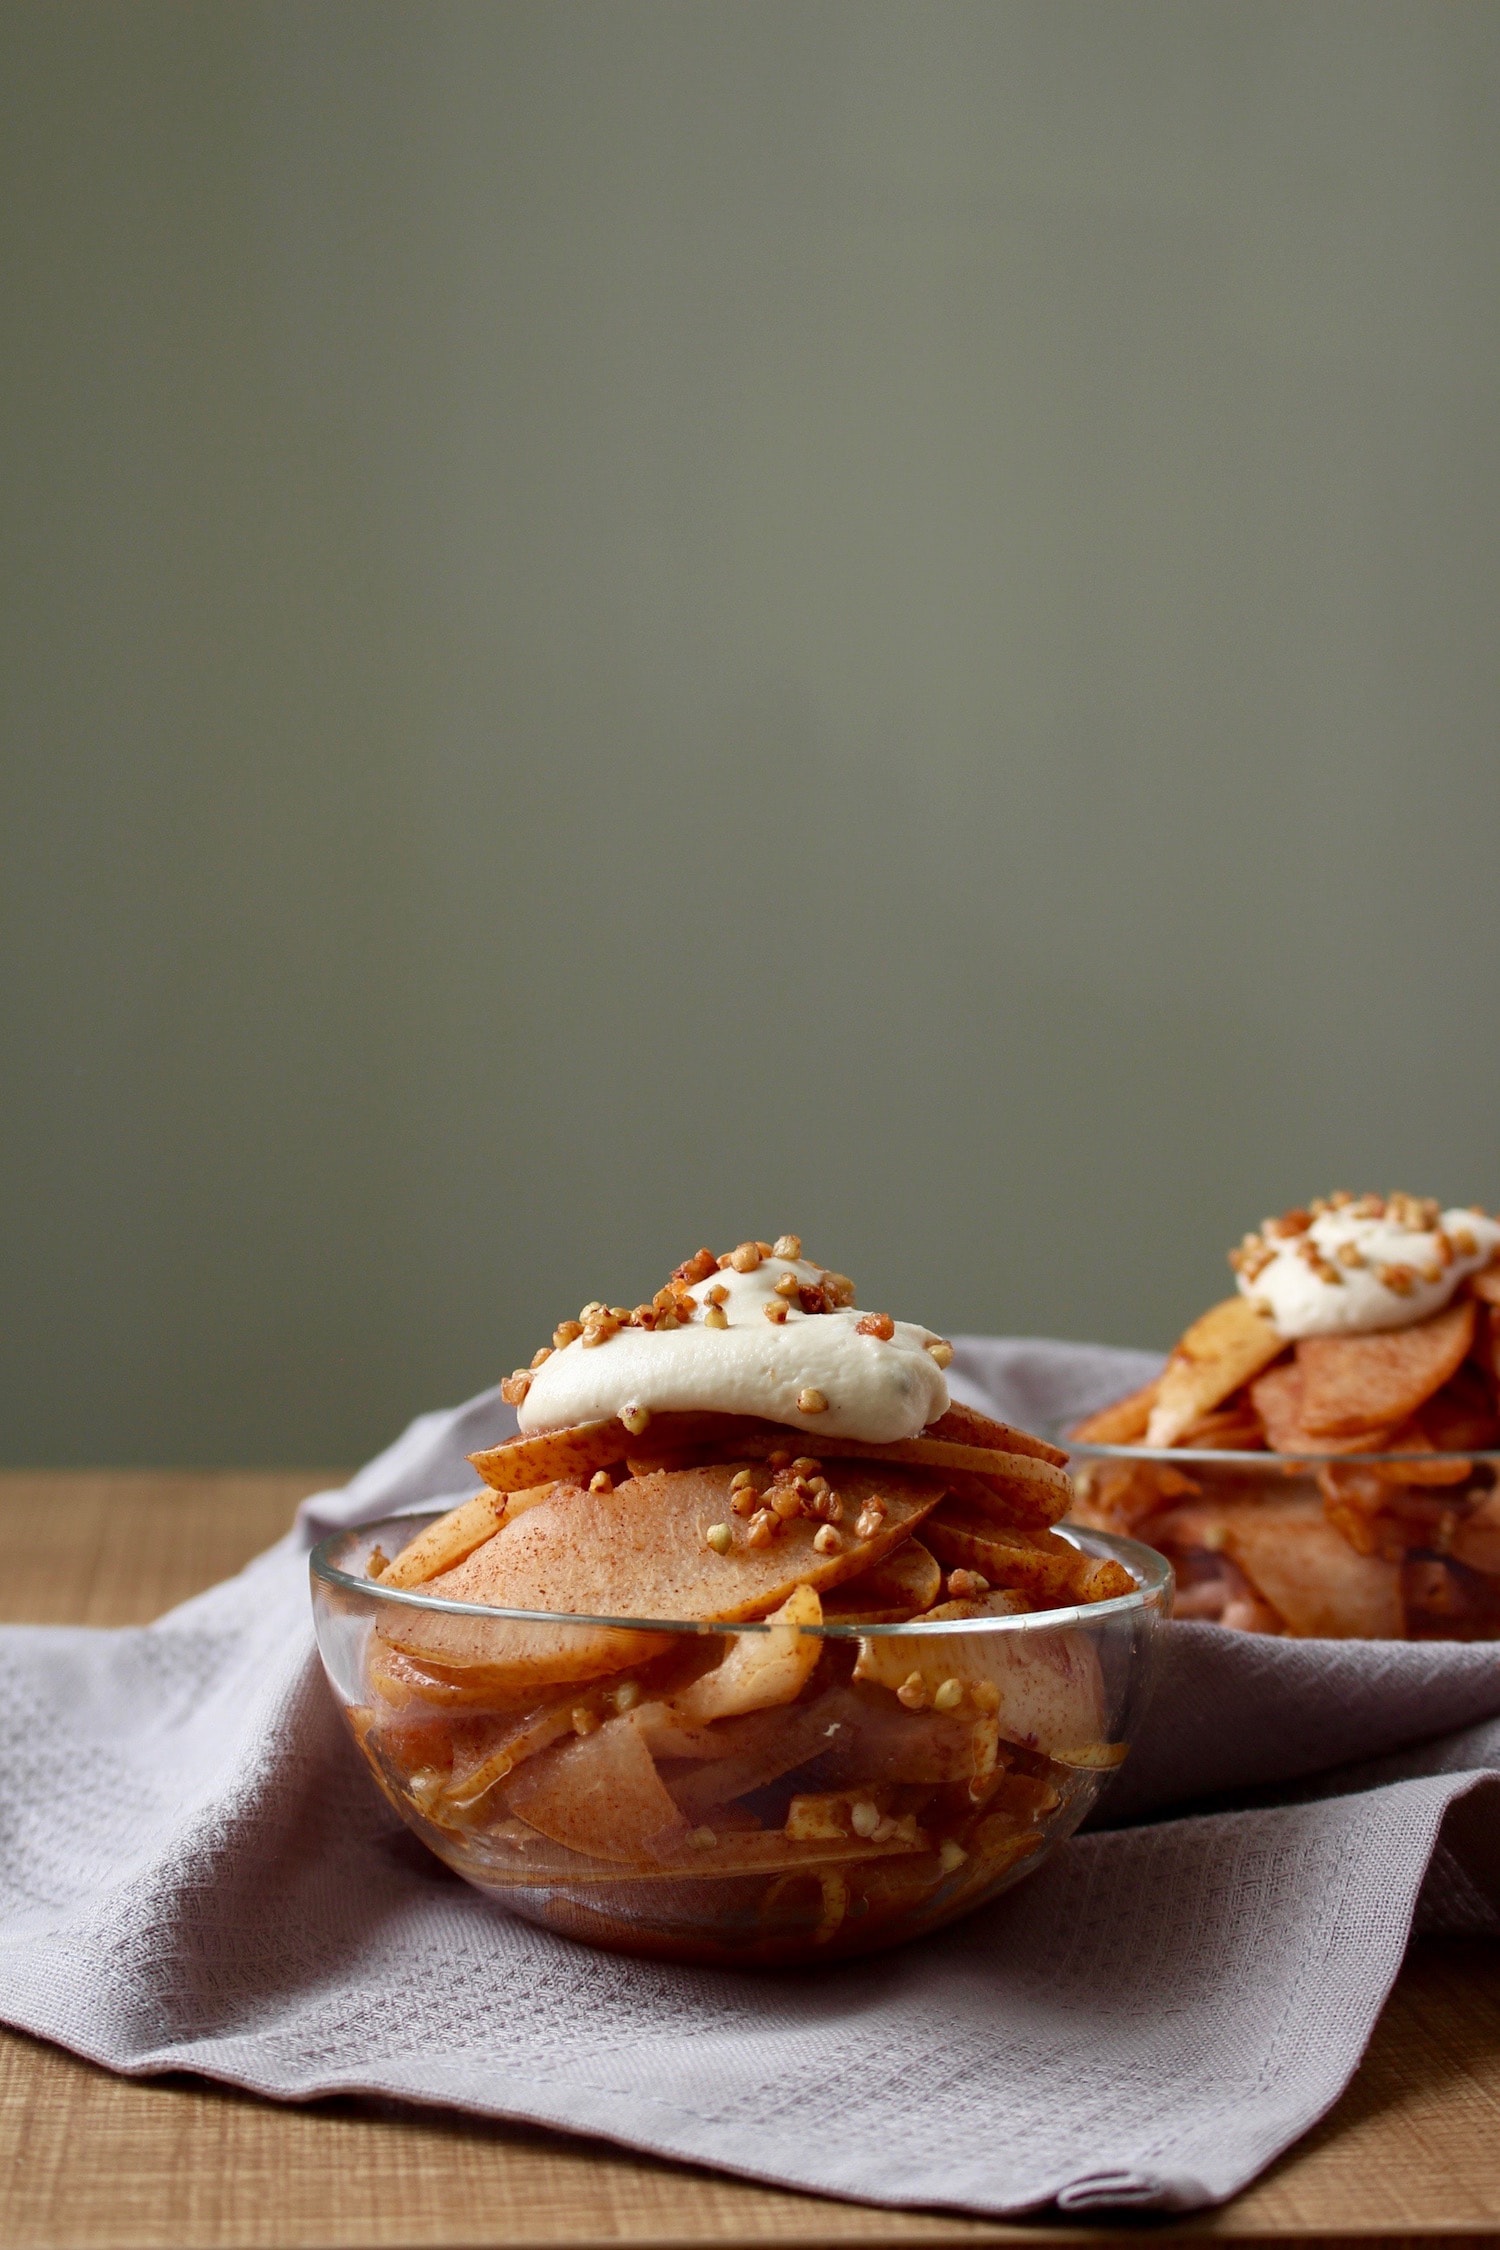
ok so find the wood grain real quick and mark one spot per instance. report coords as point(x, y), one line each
point(118, 1547)
point(89, 2161)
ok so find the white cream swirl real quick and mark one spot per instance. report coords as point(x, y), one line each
point(1360, 1266)
point(874, 1388)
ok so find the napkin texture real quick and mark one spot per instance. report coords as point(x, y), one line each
point(196, 1874)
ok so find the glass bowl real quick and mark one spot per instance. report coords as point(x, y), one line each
point(1377, 1546)
point(890, 1777)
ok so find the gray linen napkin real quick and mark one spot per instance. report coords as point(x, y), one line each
point(196, 1874)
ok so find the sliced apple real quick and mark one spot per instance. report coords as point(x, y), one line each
point(1042, 1566)
point(1299, 1563)
point(601, 1795)
point(486, 1752)
point(1049, 1685)
point(471, 1784)
point(1277, 1397)
point(447, 1541)
point(1228, 1345)
point(966, 1426)
point(762, 1668)
point(1367, 1382)
point(1038, 1489)
point(480, 1660)
point(886, 1740)
point(900, 1586)
point(1124, 1423)
point(570, 1455)
point(751, 1752)
point(642, 1550)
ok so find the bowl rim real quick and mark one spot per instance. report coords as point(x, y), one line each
point(1153, 1573)
point(1175, 1455)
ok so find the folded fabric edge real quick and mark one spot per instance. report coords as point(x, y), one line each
point(1182, 2172)
point(1201, 2182)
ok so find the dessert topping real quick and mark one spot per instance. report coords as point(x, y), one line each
point(761, 1330)
point(1349, 1265)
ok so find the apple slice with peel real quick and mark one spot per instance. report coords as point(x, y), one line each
point(965, 1425)
point(522, 1669)
point(1122, 1423)
point(761, 1668)
point(1035, 1490)
point(1224, 1348)
point(1277, 1399)
point(575, 1453)
point(572, 1455)
point(1299, 1563)
point(602, 1795)
point(494, 1660)
point(642, 1551)
point(900, 1586)
point(447, 1541)
point(886, 1741)
point(711, 1766)
point(506, 1744)
point(1045, 1690)
point(1043, 1566)
point(1367, 1382)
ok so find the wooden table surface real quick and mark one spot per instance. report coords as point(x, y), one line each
point(88, 2162)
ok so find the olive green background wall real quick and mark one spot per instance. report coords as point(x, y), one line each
point(630, 623)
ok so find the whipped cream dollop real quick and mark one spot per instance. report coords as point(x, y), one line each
point(1355, 1264)
point(745, 1348)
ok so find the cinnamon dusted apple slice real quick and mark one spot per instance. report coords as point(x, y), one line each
point(1043, 1690)
point(1043, 1566)
point(965, 1425)
point(568, 1456)
point(901, 1586)
point(1034, 1489)
point(740, 1755)
point(644, 1550)
point(1372, 1381)
point(1302, 1566)
point(1277, 1397)
point(959, 1425)
point(1234, 1427)
point(1004, 1504)
point(666, 1440)
point(447, 1541)
point(1460, 1418)
point(478, 1662)
point(1026, 1468)
point(896, 1745)
point(760, 1669)
point(1224, 1348)
point(508, 1742)
point(1123, 1423)
point(601, 1795)
point(401, 1684)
